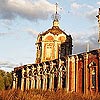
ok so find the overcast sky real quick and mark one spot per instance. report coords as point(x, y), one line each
point(22, 20)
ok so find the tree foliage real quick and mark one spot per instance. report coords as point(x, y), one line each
point(5, 80)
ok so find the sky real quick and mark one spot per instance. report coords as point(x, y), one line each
point(22, 20)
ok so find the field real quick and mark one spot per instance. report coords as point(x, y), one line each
point(44, 95)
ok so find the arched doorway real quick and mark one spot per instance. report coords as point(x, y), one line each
point(63, 77)
point(55, 79)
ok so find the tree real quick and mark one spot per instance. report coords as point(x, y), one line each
point(5, 80)
point(8, 80)
point(2, 86)
point(2, 75)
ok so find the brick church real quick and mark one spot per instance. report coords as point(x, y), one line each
point(57, 68)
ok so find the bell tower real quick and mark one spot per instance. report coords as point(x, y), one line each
point(53, 43)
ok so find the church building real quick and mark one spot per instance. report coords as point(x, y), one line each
point(53, 42)
point(57, 68)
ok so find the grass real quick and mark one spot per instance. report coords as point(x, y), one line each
point(44, 95)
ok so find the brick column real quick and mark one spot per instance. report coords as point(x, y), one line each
point(99, 70)
point(68, 66)
point(14, 80)
point(27, 78)
point(51, 77)
point(59, 75)
point(22, 80)
point(77, 82)
point(38, 77)
point(86, 80)
point(97, 88)
point(59, 80)
point(32, 83)
point(44, 82)
point(66, 70)
point(39, 85)
point(44, 78)
point(32, 78)
point(73, 74)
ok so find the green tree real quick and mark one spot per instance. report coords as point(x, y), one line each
point(8, 80)
point(2, 86)
point(5, 80)
point(2, 75)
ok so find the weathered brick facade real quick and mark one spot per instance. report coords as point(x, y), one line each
point(57, 68)
point(79, 73)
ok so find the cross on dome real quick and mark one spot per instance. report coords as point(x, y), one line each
point(56, 7)
point(56, 17)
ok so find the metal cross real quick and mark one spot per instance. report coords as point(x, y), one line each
point(56, 7)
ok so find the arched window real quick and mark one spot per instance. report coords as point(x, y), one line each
point(62, 39)
point(93, 77)
point(92, 70)
point(49, 51)
point(63, 77)
point(49, 38)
